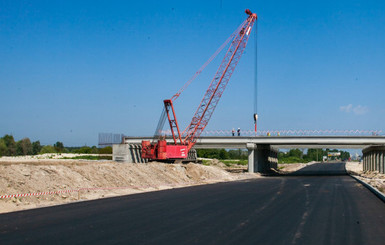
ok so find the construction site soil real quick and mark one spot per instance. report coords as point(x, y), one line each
point(79, 180)
point(374, 179)
point(67, 180)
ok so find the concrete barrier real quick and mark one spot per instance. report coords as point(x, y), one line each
point(130, 153)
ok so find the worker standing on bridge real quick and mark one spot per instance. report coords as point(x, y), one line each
point(239, 131)
point(233, 132)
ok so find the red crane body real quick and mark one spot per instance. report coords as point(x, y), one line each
point(184, 141)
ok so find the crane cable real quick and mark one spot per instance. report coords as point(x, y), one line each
point(162, 119)
point(255, 116)
point(173, 98)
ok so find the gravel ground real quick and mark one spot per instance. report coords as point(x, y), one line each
point(374, 179)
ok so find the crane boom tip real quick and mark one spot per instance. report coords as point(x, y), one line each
point(248, 11)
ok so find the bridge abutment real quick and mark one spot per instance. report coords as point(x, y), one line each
point(131, 153)
point(374, 159)
point(261, 158)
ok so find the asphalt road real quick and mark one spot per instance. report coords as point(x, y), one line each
point(308, 209)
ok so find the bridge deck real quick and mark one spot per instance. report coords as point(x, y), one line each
point(340, 142)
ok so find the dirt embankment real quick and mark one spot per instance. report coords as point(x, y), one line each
point(110, 178)
point(285, 168)
point(374, 179)
point(86, 180)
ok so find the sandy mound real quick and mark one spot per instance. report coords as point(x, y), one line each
point(286, 168)
point(35, 176)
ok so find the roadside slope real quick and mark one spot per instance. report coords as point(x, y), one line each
point(37, 176)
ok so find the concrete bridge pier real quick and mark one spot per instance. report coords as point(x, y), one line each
point(374, 159)
point(261, 158)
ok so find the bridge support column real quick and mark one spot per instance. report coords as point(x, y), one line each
point(373, 159)
point(365, 162)
point(261, 158)
point(251, 148)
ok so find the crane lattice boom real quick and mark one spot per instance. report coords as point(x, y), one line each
point(187, 139)
point(218, 84)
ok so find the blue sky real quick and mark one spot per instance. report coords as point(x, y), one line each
point(72, 69)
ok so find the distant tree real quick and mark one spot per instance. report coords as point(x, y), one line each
point(295, 153)
point(237, 154)
point(36, 147)
point(19, 150)
point(24, 147)
point(106, 150)
point(3, 148)
point(94, 150)
point(223, 154)
point(83, 150)
point(11, 145)
point(281, 154)
point(59, 147)
point(292, 156)
point(314, 155)
point(233, 154)
point(345, 155)
point(47, 149)
point(208, 153)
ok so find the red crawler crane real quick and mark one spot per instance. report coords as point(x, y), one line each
point(183, 142)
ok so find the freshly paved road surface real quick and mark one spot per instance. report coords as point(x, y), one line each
point(309, 209)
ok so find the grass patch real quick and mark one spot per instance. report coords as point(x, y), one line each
point(89, 157)
point(232, 162)
point(206, 162)
point(228, 162)
point(292, 160)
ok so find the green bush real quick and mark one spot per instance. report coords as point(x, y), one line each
point(47, 149)
point(222, 154)
point(24, 147)
point(89, 157)
point(3, 148)
point(86, 150)
point(59, 147)
point(11, 145)
point(36, 147)
point(291, 160)
point(105, 150)
point(237, 162)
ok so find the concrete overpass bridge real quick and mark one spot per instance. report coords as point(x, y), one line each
point(263, 150)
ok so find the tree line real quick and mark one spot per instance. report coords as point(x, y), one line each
point(296, 155)
point(292, 156)
point(222, 154)
point(10, 147)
